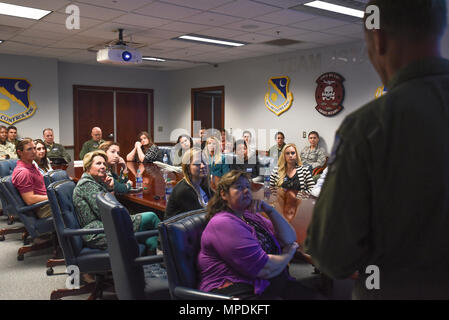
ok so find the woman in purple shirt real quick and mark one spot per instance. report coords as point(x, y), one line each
point(242, 253)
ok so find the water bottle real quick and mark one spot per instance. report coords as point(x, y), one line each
point(266, 188)
point(168, 189)
point(165, 159)
point(138, 179)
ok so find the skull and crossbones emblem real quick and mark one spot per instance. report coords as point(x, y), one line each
point(328, 93)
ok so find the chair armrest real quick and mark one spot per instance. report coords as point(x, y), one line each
point(81, 232)
point(142, 235)
point(33, 206)
point(141, 261)
point(193, 294)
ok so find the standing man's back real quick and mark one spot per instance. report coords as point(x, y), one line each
point(385, 201)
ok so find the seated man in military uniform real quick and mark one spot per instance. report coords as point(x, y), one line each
point(93, 143)
point(54, 150)
point(7, 149)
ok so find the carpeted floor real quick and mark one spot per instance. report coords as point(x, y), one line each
point(27, 279)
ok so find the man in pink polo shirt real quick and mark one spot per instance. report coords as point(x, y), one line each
point(27, 178)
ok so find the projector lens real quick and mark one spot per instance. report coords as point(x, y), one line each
point(126, 56)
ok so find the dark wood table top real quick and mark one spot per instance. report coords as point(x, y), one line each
point(153, 195)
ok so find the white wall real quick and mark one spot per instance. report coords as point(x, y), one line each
point(70, 74)
point(42, 74)
point(246, 83)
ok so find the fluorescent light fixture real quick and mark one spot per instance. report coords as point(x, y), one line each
point(22, 12)
point(210, 40)
point(335, 8)
point(153, 59)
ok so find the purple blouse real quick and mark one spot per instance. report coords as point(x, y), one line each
point(230, 251)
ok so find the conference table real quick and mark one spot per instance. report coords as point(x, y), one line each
point(297, 211)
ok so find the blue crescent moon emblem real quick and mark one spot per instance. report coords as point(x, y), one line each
point(16, 86)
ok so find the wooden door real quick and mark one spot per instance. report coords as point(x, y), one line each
point(132, 118)
point(207, 106)
point(92, 108)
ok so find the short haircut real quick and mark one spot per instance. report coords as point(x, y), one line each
point(279, 133)
point(89, 158)
point(412, 19)
point(3, 127)
point(21, 144)
point(315, 133)
point(247, 131)
point(43, 132)
point(12, 127)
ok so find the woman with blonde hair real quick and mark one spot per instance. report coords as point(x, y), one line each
point(193, 191)
point(215, 159)
point(290, 174)
point(93, 181)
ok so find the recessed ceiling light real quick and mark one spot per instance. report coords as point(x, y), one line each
point(335, 8)
point(1, 41)
point(22, 12)
point(153, 59)
point(216, 41)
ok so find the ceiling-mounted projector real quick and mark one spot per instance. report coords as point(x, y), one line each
point(119, 53)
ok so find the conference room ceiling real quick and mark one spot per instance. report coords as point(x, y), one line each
point(152, 25)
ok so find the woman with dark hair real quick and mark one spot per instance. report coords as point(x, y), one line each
point(144, 150)
point(242, 162)
point(193, 191)
point(40, 160)
point(313, 156)
point(93, 181)
point(184, 143)
point(243, 253)
point(116, 167)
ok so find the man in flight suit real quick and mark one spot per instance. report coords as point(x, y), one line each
point(93, 143)
point(381, 211)
point(54, 150)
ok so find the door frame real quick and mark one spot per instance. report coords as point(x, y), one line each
point(192, 104)
point(77, 88)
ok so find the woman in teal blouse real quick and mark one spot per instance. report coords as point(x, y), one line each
point(215, 159)
point(116, 164)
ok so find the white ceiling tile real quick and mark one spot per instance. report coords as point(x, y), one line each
point(46, 35)
point(319, 24)
point(141, 20)
point(167, 11)
point(16, 22)
point(254, 38)
point(109, 30)
point(174, 44)
point(183, 27)
point(250, 25)
point(347, 29)
point(158, 33)
point(222, 33)
point(41, 4)
point(199, 4)
point(245, 9)
point(53, 52)
point(34, 41)
point(59, 18)
point(44, 27)
point(211, 19)
point(25, 48)
point(96, 12)
point(318, 37)
point(283, 32)
point(124, 5)
point(283, 3)
point(285, 17)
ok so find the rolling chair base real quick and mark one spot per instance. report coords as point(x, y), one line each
point(34, 247)
point(94, 288)
point(5, 231)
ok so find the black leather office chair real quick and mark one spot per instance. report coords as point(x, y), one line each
point(35, 227)
point(181, 240)
point(55, 175)
point(69, 234)
point(6, 169)
point(127, 265)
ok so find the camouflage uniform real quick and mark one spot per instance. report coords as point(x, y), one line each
point(383, 202)
point(57, 150)
point(8, 149)
point(89, 146)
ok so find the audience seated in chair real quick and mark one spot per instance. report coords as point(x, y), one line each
point(183, 144)
point(244, 162)
point(93, 181)
point(116, 167)
point(93, 143)
point(54, 150)
point(290, 174)
point(243, 253)
point(144, 150)
point(313, 156)
point(41, 161)
point(7, 149)
point(193, 191)
point(215, 159)
point(276, 150)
